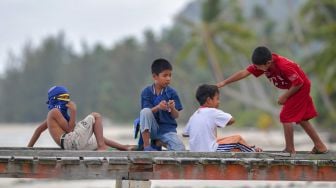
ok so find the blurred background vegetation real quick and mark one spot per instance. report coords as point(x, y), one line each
point(208, 41)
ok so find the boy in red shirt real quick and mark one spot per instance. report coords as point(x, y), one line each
point(297, 104)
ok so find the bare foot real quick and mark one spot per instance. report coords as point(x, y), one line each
point(317, 151)
point(257, 149)
point(131, 147)
point(291, 151)
point(102, 148)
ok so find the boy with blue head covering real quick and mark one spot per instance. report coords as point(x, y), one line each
point(58, 97)
point(61, 122)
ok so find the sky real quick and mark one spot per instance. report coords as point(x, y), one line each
point(93, 21)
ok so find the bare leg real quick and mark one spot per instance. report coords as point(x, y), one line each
point(146, 137)
point(242, 141)
point(119, 146)
point(318, 144)
point(237, 139)
point(234, 139)
point(289, 137)
point(98, 131)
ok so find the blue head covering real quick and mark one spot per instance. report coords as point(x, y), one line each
point(55, 101)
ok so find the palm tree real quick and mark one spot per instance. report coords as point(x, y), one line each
point(218, 38)
point(319, 20)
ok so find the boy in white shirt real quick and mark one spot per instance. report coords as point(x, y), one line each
point(202, 125)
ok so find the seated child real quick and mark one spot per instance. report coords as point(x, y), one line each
point(202, 125)
point(160, 106)
point(65, 132)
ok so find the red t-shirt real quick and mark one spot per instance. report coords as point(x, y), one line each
point(283, 74)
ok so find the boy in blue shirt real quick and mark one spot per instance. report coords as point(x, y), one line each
point(160, 106)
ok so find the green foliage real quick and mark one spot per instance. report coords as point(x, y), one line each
point(210, 10)
point(319, 22)
point(215, 36)
point(24, 88)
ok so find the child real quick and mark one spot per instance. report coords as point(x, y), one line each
point(65, 132)
point(297, 104)
point(160, 106)
point(202, 125)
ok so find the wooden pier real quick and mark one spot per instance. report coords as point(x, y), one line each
point(142, 166)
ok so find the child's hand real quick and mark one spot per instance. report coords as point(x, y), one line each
point(163, 105)
point(219, 84)
point(171, 104)
point(282, 99)
point(71, 105)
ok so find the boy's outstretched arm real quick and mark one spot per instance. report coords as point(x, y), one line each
point(37, 133)
point(233, 78)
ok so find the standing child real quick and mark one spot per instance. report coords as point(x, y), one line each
point(65, 132)
point(297, 103)
point(160, 106)
point(202, 125)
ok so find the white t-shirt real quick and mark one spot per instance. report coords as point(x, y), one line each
point(202, 128)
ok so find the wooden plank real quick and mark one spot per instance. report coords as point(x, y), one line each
point(138, 155)
point(47, 163)
point(141, 154)
point(30, 148)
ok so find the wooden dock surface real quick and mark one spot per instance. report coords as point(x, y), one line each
point(139, 165)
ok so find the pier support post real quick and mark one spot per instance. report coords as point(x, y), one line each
point(133, 183)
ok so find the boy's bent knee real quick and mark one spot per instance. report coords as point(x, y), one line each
point(146, 112)
point(174, 143)
point(96, 115)
point(238, 136)
point(148, 121)
point(90, 119)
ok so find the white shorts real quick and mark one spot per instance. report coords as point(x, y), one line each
point(82, 137)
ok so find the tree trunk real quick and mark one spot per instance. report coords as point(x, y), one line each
point(237, 95)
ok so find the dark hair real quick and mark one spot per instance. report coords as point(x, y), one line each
point(204, 91)
point(261, 55)
point(160, 65)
